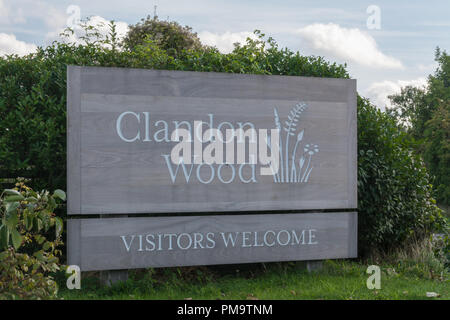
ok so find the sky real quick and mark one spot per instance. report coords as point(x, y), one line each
point(386, 44)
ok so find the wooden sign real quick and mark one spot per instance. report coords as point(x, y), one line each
point(123, 243)
point(120, 123)
point(153, 141)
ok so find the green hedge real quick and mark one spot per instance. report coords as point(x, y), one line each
point(394, 199)
point(394, 194)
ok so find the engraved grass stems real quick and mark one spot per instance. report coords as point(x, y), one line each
point(290, 128)
point(288, 172)
point(278, 126)
point(293, 166)
point(276, 175)
point(310, 150)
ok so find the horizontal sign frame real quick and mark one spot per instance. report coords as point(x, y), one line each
point(142, 242)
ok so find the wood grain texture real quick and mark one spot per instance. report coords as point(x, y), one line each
point(73, 140)
point(74, 240)
point(352, 147)
point(210, 84)
point(107, 175)
point(101, 247)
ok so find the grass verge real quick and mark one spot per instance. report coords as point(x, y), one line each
point(338, 279)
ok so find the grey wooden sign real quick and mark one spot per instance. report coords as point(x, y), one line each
point(148, 141)
point(121, 122)
point(124, 243)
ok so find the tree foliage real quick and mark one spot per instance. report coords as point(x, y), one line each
point(424, 114)
point(167, 35)
point(437, 149)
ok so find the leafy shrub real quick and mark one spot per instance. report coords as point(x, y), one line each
point(394, 194)
point(27, 253)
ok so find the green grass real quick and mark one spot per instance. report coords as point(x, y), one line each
point(337, 280)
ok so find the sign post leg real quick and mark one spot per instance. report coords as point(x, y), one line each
point(109, 277)
point(314, 265)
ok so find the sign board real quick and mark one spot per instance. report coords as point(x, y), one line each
point(153, 141)
point(123, 243)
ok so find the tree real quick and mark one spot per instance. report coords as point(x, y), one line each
point(167, 35)
point(437, 149)
point(424, 115)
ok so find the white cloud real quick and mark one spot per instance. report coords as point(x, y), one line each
point(350, 44)
point(100, 23)
point(378, 92)
point(441, 23)
point(19, 11)
point(53, 18)
point(429, 68)
point(4, 12)
point(224, 41)
point(10, 45)
point(10, 16)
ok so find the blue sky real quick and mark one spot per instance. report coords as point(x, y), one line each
point(399, 53)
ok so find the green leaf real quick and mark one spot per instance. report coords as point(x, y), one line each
point(29, 222)
point(51, 206)
point(3, 255)
point(46, 245)
point(39, 255)
point(11, 192)
point(16, 239)
point(60, 194)
point(31, 199)
point(12, 219)
point(59, 226)
point(39, 239)
point(4, 236)
point(18, 197)
point(37, 224)
point(11, 206)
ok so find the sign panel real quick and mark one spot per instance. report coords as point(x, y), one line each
point(149, 141)
point(124, 126)
point(141, 242)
